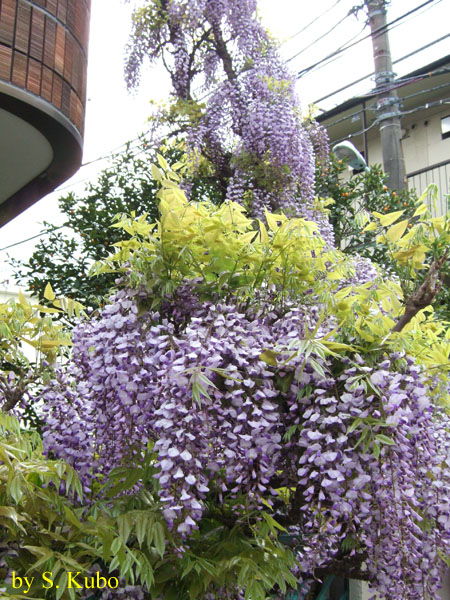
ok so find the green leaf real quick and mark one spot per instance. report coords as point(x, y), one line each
point(376, 449)
point(141, 528)
point(384, 439)
point(317, 367)
point(116, 545)
point(10, 513)
point(365, 432)
point(71, 517)
point(62, 585)
point(15, 489)
point(356, 423)
point(273, 525)
point(124, 523)
point(159, 539)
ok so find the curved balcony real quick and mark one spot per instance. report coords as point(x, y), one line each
point(43, 66)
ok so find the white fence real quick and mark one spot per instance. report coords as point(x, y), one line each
point(438, 174)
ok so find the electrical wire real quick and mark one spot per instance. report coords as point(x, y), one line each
point(328, 62)
point(409, 55)
point(380, 31)
point(373, 93)
point(300, 74)
point(408, 112)
point(427, 106)
point(350, 136)
point(33, 237)
point(312, 22)
point(115, 150)
point(113, 153)
point(336, 54)
point(351, 12)
point(292, 36)
point(48, 231)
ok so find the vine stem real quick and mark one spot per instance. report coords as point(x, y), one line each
point(424, 294)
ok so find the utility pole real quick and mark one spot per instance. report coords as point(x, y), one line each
point(388, 103)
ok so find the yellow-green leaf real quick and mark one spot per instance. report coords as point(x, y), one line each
point(264, 236)
point(390, 218)
point(162, 162)
point(49, 294)
point(271, 221)
point(23, 301)
point(422, 209)
point(370, 227)
point(395, 232)
point(156, 173)
point(269, 357)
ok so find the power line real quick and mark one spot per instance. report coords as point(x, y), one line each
point(312, 22)
point(408, 112)
point(48, 231)
point(359, 112)
point(45, 232)
point(352, 135)
point(326, 62)
point(111, 154)
point(372, 74)
point(115, 150)
point(376, 33)
point(285, 41)
point(350, 12)
point(398, 83)
point(427, 106)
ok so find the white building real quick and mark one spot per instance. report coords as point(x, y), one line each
point(425, 108)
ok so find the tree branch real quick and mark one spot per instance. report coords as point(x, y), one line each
point(195, 47)
point(222, 51)
point(425, 294)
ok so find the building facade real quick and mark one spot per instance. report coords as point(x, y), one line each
point(425, 118)
point(43, 70)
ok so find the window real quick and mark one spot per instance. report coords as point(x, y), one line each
point(445, 127)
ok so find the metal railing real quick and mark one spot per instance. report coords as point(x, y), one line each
point(438, 174)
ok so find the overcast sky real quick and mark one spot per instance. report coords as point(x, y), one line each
point(113, 116)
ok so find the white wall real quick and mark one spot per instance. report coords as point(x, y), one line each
point(422, 142)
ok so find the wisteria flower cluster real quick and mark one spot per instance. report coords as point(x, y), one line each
point(224, 358)
point(248, 122)
point(236, 401)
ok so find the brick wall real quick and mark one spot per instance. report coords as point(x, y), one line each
point(43, 49)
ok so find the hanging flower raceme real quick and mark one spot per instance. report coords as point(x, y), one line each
point(248, 121)
point(233, 364)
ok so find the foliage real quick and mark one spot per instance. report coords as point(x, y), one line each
point(244, 116)
point(351, 202)
point(32, 513)
point(64, 257)
point(264, 389)
point(354, 200)
point(22, 324)
point(246, 383)
point(122, 537)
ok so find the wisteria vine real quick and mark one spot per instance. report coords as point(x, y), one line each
point(347, 450)
point(248, 122)
point(131, 383)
